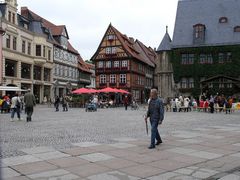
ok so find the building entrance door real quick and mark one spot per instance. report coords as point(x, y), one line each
point(36, 92)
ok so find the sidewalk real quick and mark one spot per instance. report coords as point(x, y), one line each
point(202, 153)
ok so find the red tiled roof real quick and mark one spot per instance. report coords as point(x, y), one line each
point(82, 65)
point(89, 65)
point(136, 48)
point(57, 30)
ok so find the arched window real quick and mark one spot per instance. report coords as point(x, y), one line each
point(199, 33)
point(237, 29)
point(223, 20)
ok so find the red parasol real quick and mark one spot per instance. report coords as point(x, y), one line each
point(84, 91)
point(108, 90)
point(113, 90)
point(123, 91)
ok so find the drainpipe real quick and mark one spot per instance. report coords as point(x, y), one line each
point(2, 33)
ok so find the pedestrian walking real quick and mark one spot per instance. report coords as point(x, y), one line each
point(56, 103)
point(156, 114)
point(65, 103)
point(15, 107)
point(211, 104)
point(30, 102)
point(125, 102)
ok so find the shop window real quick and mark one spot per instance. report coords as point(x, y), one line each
point(26, 71)
point(47, 74)
point(11, 68)
point(37, 73)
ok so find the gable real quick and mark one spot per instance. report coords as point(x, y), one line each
point(110, 46)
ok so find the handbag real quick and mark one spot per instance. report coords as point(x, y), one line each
point(18, 104)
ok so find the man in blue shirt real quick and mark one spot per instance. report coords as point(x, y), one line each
point(156, 114)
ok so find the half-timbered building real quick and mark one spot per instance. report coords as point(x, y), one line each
point(125, 63)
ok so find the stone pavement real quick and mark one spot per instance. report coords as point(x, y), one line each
point(211, 152)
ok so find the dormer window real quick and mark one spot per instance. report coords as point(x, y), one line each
point(237, 29)
point(223, 20)
point(199, 33)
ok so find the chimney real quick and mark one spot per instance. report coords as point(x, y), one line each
point(131, 40)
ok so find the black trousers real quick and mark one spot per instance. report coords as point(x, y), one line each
point(29, 112)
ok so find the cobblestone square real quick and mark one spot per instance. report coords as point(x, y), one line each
point(112, 143)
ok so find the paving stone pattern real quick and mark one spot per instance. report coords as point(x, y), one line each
point(111, 144)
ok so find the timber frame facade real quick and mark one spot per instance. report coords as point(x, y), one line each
point(124, 63)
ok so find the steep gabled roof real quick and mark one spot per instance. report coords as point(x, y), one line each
point(146, 52)
point(208, 13)
point(165, 45)
point(135, 49)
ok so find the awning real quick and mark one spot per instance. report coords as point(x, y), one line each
point(10, 88)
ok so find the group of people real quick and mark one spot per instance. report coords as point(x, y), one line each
point(182, 103)
point(64, 100)
point(17, 103)
point(217, 103)
point(207, 104)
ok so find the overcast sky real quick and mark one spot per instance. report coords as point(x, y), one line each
point(87, 20)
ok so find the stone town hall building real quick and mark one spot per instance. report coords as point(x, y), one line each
point(204, 54)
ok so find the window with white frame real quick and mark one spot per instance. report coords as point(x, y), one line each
point(100, 64)
point(116, 64)
point(66, 71)
point(108, 64)
point(191, 83)
point(103, 79)
point(123, 78)
point(110, 50)
point(125, 63)
point(183, 83)
point(113, 78)
point(110, 37)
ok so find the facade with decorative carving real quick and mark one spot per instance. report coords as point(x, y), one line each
point(125, 63)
